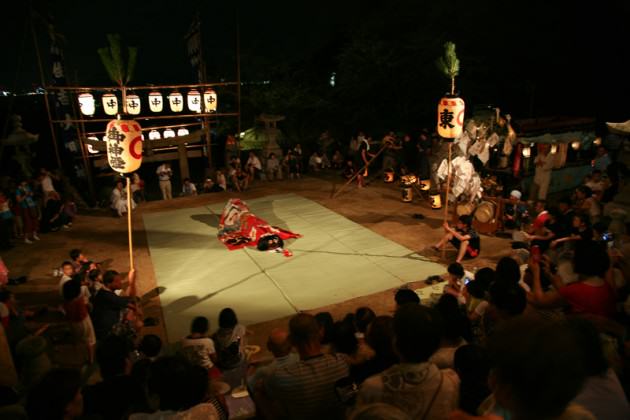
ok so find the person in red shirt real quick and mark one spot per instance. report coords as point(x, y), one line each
point(591, 294)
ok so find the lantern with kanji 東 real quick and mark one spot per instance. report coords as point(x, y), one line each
point(210, 100)
point(110, 104)
point(86, 103)
point(133, 104)
point(194, 101)
point(176, 100)
point(124, 145)
point(450, 117)
point(156, 102)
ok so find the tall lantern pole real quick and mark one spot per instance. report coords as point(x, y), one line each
point(124, 137)
point(450, 115)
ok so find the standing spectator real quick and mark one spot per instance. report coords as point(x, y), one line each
point(53, 216)
point(299, 154)
point(306, 389)
point(108, 306)
point(70, 209)
point(416, 386)
point(253, 166)
point(273, 168)
point(392, 151)
point(137, 188)
point(189, 188)
point(46, 180)
point(602, 160)
point(337, 160)
point(6, 222)
point(165, 173)
point(28, 211)
point(542, 176)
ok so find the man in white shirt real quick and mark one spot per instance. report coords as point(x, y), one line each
point(189, 188)
point(253, 165)
point(165, 173)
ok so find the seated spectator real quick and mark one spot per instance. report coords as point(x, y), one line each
point(76, 310)
point(378, 411)
point(56, 397)
point(566, 214)
point(602, 393)
point(147, 352)
point(404, 296)
point(515, 211)
point(348, 169)
point(253, 166)
point(457, 279)
point(536, 371)
point(229, 340)
point(464, 238)
point(221, 181)
point(189, 188)
point(237, 179)
point(455, 331)
point(475, 293)
point(197, 347)
point(81, 262)
point(118, 394)
point(109, 307)
point(118, 199)
point(280, 346)
point(507, 300)
point(363, 317)
point(53, 216)
point(380, 338)
point(306, 389)
point(416, 386)
point(273, 169)
point(326, 325)
point(345, 342)
point(591, 294)
point(473, 367)
point(209, 186)
point(315, 162)
point(596, 183)
point(182, 391)
point(337, 160)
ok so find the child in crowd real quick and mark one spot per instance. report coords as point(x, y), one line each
point(199, 348)
point(189, 188)
point(76, 310)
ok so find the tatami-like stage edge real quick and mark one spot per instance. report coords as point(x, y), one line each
point(335, 260)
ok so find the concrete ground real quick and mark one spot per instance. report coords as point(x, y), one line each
point(103, 237)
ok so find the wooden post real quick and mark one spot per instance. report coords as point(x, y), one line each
point(448, 190)
point(129, 232)
point(183, 161)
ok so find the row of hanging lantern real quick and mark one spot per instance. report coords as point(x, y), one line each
point(194, 99)
point(153, 135)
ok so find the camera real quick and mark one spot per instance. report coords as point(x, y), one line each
point(607, 237)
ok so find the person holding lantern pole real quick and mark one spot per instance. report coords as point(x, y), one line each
point(362, 161)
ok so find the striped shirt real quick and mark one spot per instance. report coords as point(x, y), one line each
point(307, 389)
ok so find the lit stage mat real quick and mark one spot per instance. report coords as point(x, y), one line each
point(335, 260)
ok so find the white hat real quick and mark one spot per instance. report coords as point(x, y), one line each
point(517, 194)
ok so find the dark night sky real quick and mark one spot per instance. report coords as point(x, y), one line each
point(571, 57)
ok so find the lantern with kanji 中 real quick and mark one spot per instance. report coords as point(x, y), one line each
point(450, 117)
point(86, 104)
point(168, 133)
point(154, 135)
point(210, 100)
point(182, 132)
point(110, 104)
point(176, 100)
point(124, 145)
point(133, 104)
point(156, 102)
point(194, 101)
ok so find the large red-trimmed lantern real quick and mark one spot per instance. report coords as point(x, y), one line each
point(124, 145)
point(450, 117)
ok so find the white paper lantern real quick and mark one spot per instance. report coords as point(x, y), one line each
point(110, 104)
point(194, 101)
point(554, 149)
point(597, 141)
point(91, 148)
point(156, 102)
point(210, 100)
point(169, 133)
point(86, 103)
point(576, 145)
point(450, 117)
point(124, 145)
point(182, 132)
point(154, 135)
point(176, 100)
point(527, 152)
point(133, 104)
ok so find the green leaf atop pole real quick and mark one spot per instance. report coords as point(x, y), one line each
point(449, 64)
point(119, 71)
